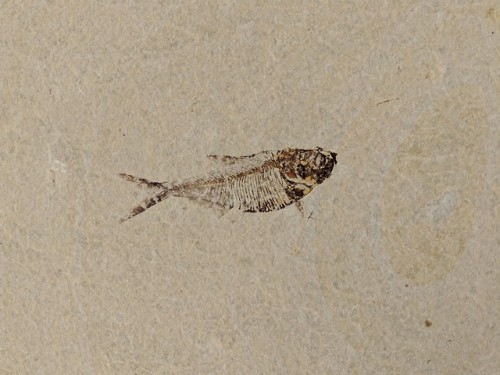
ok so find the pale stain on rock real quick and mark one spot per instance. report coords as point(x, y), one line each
point(433, 187)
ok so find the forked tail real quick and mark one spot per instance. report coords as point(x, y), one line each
point(163, 193)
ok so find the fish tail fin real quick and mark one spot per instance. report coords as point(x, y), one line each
point(163, 193)
point(147, 203)
point(142, 182)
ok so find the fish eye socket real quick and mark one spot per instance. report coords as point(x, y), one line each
point(320, 159)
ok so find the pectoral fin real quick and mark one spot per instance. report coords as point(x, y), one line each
point(299, 207)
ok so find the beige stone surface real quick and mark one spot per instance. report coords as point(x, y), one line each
point(392, 269)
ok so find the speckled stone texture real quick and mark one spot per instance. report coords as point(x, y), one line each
point(393, 268)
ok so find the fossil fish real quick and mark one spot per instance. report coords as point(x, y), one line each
point(267, 181)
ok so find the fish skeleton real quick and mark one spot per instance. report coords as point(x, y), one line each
point(262, 182)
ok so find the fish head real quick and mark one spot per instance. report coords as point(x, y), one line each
point(309, 167)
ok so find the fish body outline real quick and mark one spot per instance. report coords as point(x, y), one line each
point(261, 182)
